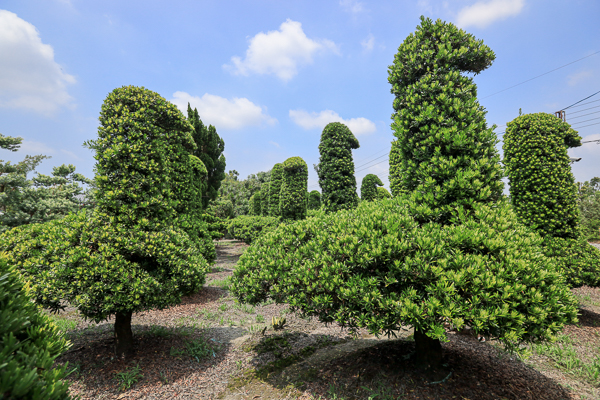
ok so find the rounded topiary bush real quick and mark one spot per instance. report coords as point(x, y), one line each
point(29, 344)
point(314, 200)
point(382, 193)
point(376, 267)
point(336, 168)
point(248, 228)
point(369, 186)
point(292, 199)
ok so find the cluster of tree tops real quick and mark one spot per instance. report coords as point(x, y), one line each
point(449, 249)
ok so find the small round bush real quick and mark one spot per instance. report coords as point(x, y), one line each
point(292, 199)
point(376, 267)
point(29, 344)
point(369, 186)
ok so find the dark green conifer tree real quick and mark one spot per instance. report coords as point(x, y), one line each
point(292, 200)
point(368, 187)
point(446, 151)
point(336, 168)
point(210, 147)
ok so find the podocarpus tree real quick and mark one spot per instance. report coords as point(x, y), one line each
point(395, 169)
point(428, 261)
point(446, 151)
point(314, 200)
point(210, 147)
point(275, 189)
point(292, 199)
point(255, 204)
point(368, 187)
point(382, 193)
point(336, 168)
point(543, 191)
point(29, 344)
point(264, 199)
point(589, 207)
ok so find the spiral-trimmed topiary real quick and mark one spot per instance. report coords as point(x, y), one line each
point(336, 168)
point(314, 200)
point(368, 187)
point(446, 152)
point(292, 200)
point(275, 189)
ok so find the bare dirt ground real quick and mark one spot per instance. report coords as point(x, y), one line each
point(211, 347)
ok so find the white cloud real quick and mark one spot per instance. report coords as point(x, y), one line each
point(274, 143)
point(352, 6)
point(368, 43)
point(358, 126)
point(29, 77)
point(280, 52)
point(482, 14)
point(31, 147)
point(235, 113)
point(578, 77)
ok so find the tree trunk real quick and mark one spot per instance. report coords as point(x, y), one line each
point(429, 352)
point(123, 335)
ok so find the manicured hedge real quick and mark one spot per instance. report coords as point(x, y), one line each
point(314, 200)
point(292, 198)
point(382, 193)
point(369, 186)
point(249, 227)
point(275, 189)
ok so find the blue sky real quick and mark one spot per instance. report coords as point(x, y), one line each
point(269, 75)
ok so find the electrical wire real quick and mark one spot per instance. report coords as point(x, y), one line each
point(535, 77)
point(587, 120)
point(584, 115)
point(585, 109)
point(563, 109)
point(585, 126)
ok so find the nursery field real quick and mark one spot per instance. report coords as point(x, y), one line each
point(211, 347)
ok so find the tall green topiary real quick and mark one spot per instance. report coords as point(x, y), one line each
point(368, 187)
point(265, 198)
point(314, 200)
point(275, 189)
point(445, 150)
point(29, 344)
point(210, 148)
point(542, 187)
point(382, 193)
point(336, 168)
point(543, 192)
point(292, 200)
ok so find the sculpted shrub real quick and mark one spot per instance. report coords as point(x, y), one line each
point(292, 199)
point(375, 267)
point(275, 189)
point(544, 195)
point(248, 228)
point(314, 200)
point(369, 186)
point(382, 193)
point(29, 344)
point(444, 152)
point(336, 168)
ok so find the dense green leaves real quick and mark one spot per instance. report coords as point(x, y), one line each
point(542, 187)
point(336, 168)
point(292, 198)
point(368, 187)
point(382, 193)
point(444, 153)
point(248, 228)
point(375, 267)
point(314, 200)
point(589, 208)
point(29, 344)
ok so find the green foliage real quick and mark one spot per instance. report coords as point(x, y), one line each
point(578, 261)
point(255, 204)
point(103, 268)
point(314, 200)
point(369, 186)
point(238, 192)
point(444, 154)
point(275, 189)
point(29, 344)
point(145, 172)
point(264, 199)
point(336, 168)
point(292, 198)
point(249, 227)
point(542, 187)
point(382, 193)
point(589, 208)
point(377, 267)
point(217, 227)
point(129, 377)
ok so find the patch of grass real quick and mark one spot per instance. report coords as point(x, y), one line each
point(217, 268)
point(223, 307)
point(260, 319)
point(221, 283)
point(255, 328)
point(159, 331)
point(129, 377)
point(200, 349)
point(206, 314)
point(62, 323)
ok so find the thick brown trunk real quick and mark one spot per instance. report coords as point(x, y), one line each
point(123, 335)
point(429, 352)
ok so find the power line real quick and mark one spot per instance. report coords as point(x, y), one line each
point(587, 120)
point(563, 109)
point(584, 115)
point(535, 77)
point(585, 126)
point(585, 104)
point(585, 109)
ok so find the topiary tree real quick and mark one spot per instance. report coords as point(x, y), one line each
point(368, 187)
point(446, 153)
point(29, 344)
point(336, 168)
point(543, 191)
point(210, 148)
point(264, 197)
point(314, 200)
point(275, 189)
point(382, 193)
point(384, 270)
point(292, 199)
point(255, 204)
